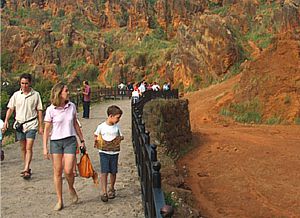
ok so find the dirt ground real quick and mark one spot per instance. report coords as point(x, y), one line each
point(238, 170)
point(36, 197)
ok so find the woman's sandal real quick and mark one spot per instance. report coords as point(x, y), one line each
point(111, 194)
point(23, 172)
point(27, 175)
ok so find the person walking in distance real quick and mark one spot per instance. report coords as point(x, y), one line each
point(28, 108)
point(110, 135)
point(61, 116)
point(86, 99)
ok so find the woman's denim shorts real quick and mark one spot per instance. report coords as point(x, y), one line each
point(63, 146)
point(109, 163)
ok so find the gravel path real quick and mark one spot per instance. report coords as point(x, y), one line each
point(36, 197)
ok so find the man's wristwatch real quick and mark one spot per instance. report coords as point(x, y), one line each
point(82, 141)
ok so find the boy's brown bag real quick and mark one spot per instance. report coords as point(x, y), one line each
point(113, 145)
point(86, 169)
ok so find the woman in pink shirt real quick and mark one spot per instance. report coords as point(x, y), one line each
point(62, 119)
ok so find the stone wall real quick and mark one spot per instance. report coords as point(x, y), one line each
point(169, 124)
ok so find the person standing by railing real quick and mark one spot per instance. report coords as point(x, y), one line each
point(86, 99)
point(135, 95)
point(122, 88)
point(28, 107)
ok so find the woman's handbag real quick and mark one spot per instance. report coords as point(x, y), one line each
point(86, 169)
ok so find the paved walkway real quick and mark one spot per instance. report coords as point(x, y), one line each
point(36, 197)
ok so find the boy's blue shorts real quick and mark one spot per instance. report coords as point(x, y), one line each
point(109, 163)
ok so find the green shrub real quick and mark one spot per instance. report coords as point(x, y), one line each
point(181, 87)
point(61, 13)
point(44, 86)
point(297, 120)
point(287, 99)
point(4, 101)
point(91, 73)
point(159, 33)
point(169, 200)
point(221, 10)
point(225, 112)
point(248, 117)
point(7, 59)
point(14, 22)
point(246, 112)
point(273, 120)
point(109, 77)
point(75, 64)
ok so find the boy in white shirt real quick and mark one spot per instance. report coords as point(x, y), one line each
point(107, 139)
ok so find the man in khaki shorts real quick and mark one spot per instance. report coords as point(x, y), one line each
point(28, 108)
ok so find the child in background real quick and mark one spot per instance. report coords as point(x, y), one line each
point(111, 136)
point(1, 127)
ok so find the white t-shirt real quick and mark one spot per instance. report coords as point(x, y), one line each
point(156, 87)
point(135, 93)
point(109, 133)
point(142, 88)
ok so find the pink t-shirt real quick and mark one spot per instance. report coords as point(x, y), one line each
point(62, 120)
point(87, 89)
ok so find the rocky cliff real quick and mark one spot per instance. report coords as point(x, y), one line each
point(192, 44)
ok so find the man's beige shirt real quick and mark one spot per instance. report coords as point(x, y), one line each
point(26, 108)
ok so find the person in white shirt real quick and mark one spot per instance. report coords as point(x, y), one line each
point(109, 149)
point(155, 87)
point(142, 87)
point(135, 95)
point(122, 88)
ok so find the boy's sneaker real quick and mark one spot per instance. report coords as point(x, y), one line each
point(111, 194)
point(104, 197)
point(2, 155)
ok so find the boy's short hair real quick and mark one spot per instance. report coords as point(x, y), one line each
point(114, 110)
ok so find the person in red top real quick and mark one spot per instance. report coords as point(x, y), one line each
point(86, 99)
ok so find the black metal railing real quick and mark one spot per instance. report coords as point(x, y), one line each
point(146, 159)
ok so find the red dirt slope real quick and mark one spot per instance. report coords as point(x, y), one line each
point(241, 170)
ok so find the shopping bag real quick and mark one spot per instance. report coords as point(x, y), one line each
point(86, 169)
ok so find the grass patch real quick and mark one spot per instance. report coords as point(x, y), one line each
point(246, 112)
point(222, 11)
point(287, 99)
point(273, 120)
point(170, 200)
point(297, 120)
